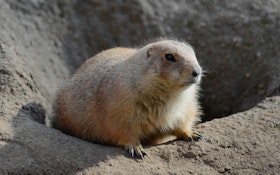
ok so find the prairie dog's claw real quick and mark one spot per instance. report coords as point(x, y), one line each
point(196, 136)
point(136, 150)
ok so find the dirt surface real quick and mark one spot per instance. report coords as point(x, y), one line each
point(237, 42)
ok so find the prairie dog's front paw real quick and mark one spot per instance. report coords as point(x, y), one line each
point(195, 136)
point(136, 150)
point(190, 136)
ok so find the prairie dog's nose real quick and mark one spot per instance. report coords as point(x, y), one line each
point(196, 71)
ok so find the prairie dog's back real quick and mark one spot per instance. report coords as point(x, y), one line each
point(87, 88)
point(110, 56)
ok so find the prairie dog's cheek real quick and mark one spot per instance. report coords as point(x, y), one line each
point(175, 75)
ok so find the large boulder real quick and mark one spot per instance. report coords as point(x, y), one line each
point(237, 42)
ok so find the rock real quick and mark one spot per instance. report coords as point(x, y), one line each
point(42, 42)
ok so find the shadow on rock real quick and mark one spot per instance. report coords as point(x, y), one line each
point(36, 148)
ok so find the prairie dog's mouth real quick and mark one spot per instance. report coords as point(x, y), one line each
point(192, 80)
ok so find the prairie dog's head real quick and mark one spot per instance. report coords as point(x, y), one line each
point(174, 62)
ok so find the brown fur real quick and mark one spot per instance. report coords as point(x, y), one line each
point(127, 96)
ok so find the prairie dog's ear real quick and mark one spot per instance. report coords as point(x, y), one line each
point(149, 52)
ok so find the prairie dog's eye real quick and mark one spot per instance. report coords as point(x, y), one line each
point(170, 57)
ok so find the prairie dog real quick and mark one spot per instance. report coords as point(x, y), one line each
point(126, 97)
